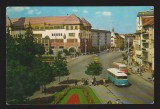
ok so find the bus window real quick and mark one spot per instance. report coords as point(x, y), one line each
point(124, 77)
point(122, 68)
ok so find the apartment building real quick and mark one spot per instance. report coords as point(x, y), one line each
point(101, 39)
point(144, 40)
point(140, 32)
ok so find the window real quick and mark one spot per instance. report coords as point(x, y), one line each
point(52, 34)
point(72, 34)
point(56, 34)
point(37, 27)
point(61, 34)
point(76, 27)
point(71, 27)
point(71, 40)
point(66, 27)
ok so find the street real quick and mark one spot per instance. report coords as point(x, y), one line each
point(139, 92)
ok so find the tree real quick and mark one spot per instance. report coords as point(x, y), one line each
point(66, 51)
point(94, 69)
point(25, 73)
point(59, 67)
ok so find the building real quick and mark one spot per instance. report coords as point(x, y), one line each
point(142, 43)
point(119, 41)
point(100, 39)
point(148, 43)
point(55, 32)
point(113, 36)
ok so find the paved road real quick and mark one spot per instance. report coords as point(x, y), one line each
point(140, 91)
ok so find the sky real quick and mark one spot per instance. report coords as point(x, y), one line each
point(122, 18)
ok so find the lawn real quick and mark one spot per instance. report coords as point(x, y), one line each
point(83, 99)
point(94, 97)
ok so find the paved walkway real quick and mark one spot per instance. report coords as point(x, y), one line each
point(104, 94)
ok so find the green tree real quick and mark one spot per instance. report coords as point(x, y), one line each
point(94, 68)
point(25, 73)
point(59, 68)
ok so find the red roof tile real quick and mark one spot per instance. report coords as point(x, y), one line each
point(72, 19)
point(148, 21)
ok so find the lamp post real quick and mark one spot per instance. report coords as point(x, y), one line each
point(64, 37)
point(74, 48)
point(128, 52)
point(85, 46)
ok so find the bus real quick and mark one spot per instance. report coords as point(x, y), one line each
point(117, 77)
point(96, 59)
point(121, 67)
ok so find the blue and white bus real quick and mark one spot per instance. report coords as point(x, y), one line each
point(117, 77)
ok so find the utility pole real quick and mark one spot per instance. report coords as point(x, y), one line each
point(99, 45)
point(74, 49)
point(85, 46)
point(128, 52)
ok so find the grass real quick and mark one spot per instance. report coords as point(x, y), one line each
point(94, 97)
point(83, 99)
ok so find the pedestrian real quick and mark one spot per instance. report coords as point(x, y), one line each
point(45, 90)
point(104, 81)
point(76, 83)
point(92, 81)
point(109, 102)
point(67, 79)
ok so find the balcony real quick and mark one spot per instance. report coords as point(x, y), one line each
point(145, 58)
point(145, 41)
point(146, 32)
point(145, 49)
point(140, 31)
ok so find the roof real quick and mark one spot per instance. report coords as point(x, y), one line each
point(98, 30)
point(116, 72)
point(147, 21)
point(119, 64)
point(85, 22)
point(69, 19)
point(147, 13)
point(8, 21)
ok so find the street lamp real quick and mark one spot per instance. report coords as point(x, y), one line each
point(85, 46)
point(74, 48)
point(128, 52)
point(64, 37)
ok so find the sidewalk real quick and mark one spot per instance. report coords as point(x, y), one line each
point(147, 76)
point(104, 94)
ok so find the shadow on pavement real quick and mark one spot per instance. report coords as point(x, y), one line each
point(41, 101)
point(71, 81)
point(54, 89)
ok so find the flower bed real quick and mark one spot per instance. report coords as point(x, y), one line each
point(73, 99)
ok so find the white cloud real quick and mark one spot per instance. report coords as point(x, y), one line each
point(104, 13)
point(74, 10)
point(30, 12)
point(97, 12)
point(85, 11)
point(39, 12)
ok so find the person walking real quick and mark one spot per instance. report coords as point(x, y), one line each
point(76, 83)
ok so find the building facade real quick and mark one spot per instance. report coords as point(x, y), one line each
point(144, 40)
point(101, 39)
point(55, 32)
point(113, 36)
point(139, 32)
